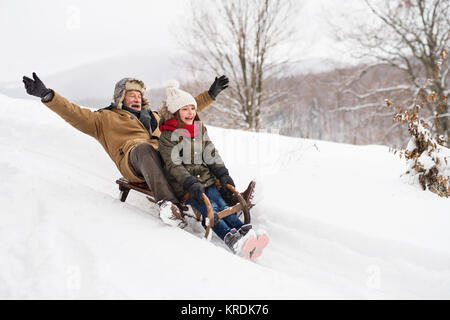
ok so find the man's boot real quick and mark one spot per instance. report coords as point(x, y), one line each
point(170, 214)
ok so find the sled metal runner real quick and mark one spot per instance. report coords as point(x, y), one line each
point(125, 186)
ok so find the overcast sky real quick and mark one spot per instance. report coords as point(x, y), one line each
point(49, 36)
point(53, 35)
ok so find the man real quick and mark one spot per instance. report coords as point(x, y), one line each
point(128, 130)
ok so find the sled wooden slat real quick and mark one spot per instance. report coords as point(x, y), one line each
point(210, 211)
point(225, 213)
point(125, 187)
point(244, 205)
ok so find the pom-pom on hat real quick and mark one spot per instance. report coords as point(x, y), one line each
point(177, 98)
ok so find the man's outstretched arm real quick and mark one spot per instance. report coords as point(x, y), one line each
point(81, 118)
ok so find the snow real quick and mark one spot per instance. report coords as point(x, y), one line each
point(342, 222)
point(426, 161)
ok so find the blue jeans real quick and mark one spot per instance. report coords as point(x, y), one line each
point(223, 226)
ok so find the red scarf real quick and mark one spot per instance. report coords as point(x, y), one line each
point(171, 125)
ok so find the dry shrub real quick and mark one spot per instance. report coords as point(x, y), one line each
point(428, 160)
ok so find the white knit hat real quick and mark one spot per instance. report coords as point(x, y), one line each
point(176, 98)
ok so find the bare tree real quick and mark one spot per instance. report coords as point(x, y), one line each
point(246, 40)
point(408, 37)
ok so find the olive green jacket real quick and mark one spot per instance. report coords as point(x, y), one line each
point(185, 156)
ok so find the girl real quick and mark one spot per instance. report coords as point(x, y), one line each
point(192, 164)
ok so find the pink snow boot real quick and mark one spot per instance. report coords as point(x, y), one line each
point(262, 240)
point(247, 243)
point(256, 242)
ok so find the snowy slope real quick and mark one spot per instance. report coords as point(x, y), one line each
point(342, 222)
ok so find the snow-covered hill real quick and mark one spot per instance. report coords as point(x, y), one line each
point(342, 222)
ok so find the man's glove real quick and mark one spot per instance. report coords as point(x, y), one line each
point(194, 188)
point(36, 87)
point(218, 85)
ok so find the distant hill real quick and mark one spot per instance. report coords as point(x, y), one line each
point(93, 83)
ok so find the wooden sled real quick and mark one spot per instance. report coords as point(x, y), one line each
point(238, 202)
